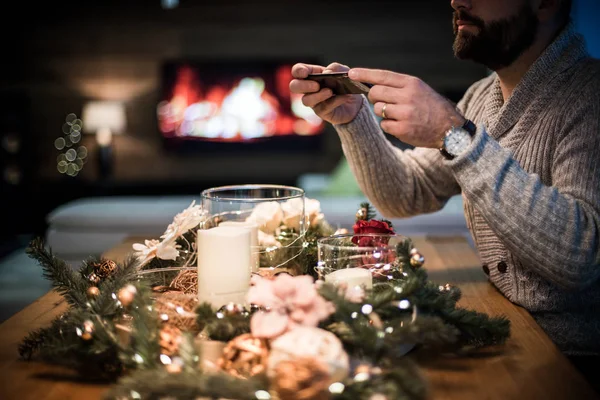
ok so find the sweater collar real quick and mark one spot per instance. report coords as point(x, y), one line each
point(565, 51)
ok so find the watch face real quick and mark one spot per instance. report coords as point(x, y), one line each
point(457, 140)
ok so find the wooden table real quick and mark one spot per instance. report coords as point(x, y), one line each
point(527, 367)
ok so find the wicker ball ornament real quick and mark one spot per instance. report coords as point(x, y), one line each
point(186, 282)
point(177, 309)
point(244, 356)
point(104, 268)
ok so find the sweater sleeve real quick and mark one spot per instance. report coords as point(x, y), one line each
point(398, 183)
point(553, 230)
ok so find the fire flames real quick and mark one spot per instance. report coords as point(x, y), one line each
point(239, 109)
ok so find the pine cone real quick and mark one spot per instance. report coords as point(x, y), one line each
point(244, 356)
point(302, 379)
point(170, 337)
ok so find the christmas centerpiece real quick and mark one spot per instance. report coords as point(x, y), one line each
point(252, 295)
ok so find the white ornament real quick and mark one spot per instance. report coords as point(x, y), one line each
point(307, 341)
point(268, 216)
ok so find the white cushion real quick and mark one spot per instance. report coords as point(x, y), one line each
point(90, 226)
point(135, 215)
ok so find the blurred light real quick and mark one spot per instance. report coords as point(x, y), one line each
point(165, 359)
point(12, 175)
point(82, 152)
point(11, 143)
point(104, 137)
point(337, 388)
point(71, 161)
point(75, 137)
point(70, 118)
point(262, 395)
point(169, 4)
point(103, 115)
point(71, 154)
point(59, 143)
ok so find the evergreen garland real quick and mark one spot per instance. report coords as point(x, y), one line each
point(405, 309)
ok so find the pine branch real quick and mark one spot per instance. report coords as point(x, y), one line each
point(224, 328)
point(145, 349)
point(478, 329)
point(428, 331)
point(400, 380)
point(370, 211)
point(33, 342)
point(64, 280)
point(60, 344)
point(159, 384)
point(105, 304)
point(227, 328)
point(188, 353)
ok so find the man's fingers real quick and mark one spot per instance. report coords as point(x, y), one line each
point(336, 67)
point(393, 111)
point(386, 94)
point(301, 71)
point(393, 127)
point(313, 99)
point(302, 86)
point(379, 77)
point(329, 105)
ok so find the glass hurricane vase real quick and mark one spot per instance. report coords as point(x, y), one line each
point(357, 260)
point(274, 214)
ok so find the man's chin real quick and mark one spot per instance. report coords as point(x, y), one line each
point(462, 47)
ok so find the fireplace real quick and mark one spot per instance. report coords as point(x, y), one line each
point(234, 106)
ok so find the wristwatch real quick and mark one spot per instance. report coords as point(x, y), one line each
point(457, 139)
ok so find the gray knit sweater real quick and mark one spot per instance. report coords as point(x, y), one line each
point(530, 183)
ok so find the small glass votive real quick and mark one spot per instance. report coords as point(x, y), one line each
point(357, 260)
point(274, 214)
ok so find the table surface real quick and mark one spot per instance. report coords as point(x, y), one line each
point(528, 366)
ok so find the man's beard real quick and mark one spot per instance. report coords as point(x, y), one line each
point(497, 44)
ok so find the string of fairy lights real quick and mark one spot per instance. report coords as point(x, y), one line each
point(72, 156)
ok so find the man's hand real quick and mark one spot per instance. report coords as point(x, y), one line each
point(414, 112)
point(331, 108)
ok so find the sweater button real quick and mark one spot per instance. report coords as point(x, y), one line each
point(502, 266)
point(485, 269)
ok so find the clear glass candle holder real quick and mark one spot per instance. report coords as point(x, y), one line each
point(357, 260)
point(275, 215)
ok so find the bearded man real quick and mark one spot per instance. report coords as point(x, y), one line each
point(522, 147)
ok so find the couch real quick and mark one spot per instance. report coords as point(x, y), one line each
point(89, 226)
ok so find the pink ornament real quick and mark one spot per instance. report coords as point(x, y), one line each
point(289, 301)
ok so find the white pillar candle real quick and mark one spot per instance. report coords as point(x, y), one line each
point(353, 277)
point(253, 227)
point(223, 265)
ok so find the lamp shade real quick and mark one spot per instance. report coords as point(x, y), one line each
point(103, 115)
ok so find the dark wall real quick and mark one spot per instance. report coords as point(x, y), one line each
point(65, 53)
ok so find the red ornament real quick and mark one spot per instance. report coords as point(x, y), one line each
point(371, 227)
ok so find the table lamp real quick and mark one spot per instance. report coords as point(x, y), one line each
point(104, 118)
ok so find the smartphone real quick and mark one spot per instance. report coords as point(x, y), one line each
point(340, 83)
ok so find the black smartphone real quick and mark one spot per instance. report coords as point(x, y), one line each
point(340, 83)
